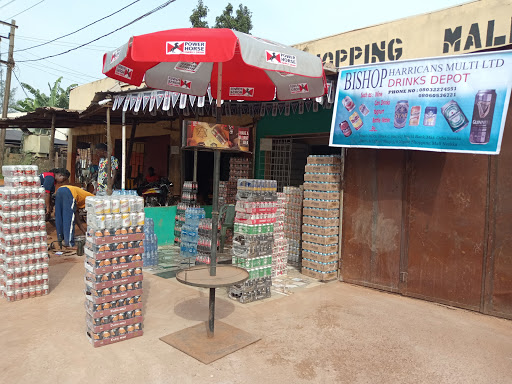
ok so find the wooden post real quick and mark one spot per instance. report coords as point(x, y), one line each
point(130, 147)
point(109, 154)
point(52, 142)
point(7, 91)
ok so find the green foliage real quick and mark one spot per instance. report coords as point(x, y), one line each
point(58, 97)
point(242, 21)
point(198, 14)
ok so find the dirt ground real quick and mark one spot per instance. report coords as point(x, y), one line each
point(328, 333)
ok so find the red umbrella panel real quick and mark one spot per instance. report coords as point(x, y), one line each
point(187, 61)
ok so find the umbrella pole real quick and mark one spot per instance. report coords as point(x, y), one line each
point(123, 159)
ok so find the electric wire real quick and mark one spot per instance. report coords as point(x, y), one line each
point(80, 29)
point(6, 4)
point(19, 13)
point(160, 7)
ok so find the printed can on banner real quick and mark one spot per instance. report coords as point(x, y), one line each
point(483, 113)
point(364, 110)
point(429, 119)
point(356, 121)
point(401, 111)
point(348, 103)
point(453, 114)
point(345, 128)
point(415, 116)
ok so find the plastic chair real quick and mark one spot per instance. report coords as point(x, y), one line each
point(228, 222)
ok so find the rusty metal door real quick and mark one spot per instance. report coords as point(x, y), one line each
point(372, 217)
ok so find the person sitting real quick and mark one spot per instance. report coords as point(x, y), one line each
point(48, 181)
point(152, 177)
point(68, 199)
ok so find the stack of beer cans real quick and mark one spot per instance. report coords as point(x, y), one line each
point(253, 240)
point(280, 251)
point(321, 220)
point(292, 224)
point(113, 268)
point(23, 247)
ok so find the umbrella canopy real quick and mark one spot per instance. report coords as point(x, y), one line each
point(187, 61)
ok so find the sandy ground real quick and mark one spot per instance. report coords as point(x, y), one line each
point(328, 333)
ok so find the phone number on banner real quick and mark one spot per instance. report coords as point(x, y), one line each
point(433, 95)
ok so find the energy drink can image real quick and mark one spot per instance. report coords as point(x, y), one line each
point(345, 128)
point(401, 112)
point(415, 116)
point(364, 109)
point(454, 116)
point(348, 103)
point(429, 118)
point(483, 114)
point(356, 121)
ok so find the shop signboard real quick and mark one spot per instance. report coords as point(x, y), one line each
point(210, 135)
point(445, 104)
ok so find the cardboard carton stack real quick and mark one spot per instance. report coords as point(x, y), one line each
point(320, 229)
point(113, 268)
point(280, 252)
point(292, 223)
point(239, 168)
point(23, 252)
point(253, 240)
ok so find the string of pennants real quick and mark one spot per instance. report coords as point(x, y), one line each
point(171, 103)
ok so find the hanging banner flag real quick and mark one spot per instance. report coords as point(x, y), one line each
point(133, 100)
point(294, 107)
point(118, 100)
point(209, 92)
point(200, 101)
point(175, 96)
point(228, 109)
point(211, 135)
point(126, 104)
point(274, 109)
point(262, 109)
point(308, 103)
point(183, 100)
point(315, 107)
point(280, 107)
point(145, 100)
point(301, 107)
point(159, 99)
point(448, 104)
point(192, 99)
point(167, 101)
point(152, 101)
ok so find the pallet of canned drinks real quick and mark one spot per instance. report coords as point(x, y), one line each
point(113, 268)
point(321, 217)
point(24, 257)
point(253, 240)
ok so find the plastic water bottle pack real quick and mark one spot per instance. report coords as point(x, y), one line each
point(150, 255)
point(189, 232)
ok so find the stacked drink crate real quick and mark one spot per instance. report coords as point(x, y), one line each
point(239, 168)
point(321, 219)
point(280, 251)
point(190, 235)
point(253, 239)
point(150, 255)
point(223, 192)
point(188, 199)
point(113, 265)
point(204, 245)
point(292, 224)
point(23, 252)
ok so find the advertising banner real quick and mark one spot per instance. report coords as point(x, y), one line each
point(202, 134)
point(447, 104)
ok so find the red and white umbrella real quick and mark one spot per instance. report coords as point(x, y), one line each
point(188, 61)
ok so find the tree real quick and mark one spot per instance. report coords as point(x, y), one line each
point(198, 14)
point(242, 21)
point(58, 97)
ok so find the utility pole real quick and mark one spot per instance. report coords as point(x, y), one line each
point(10, 66)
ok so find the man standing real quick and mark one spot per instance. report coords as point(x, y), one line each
point(48, 181)
point(103, 187)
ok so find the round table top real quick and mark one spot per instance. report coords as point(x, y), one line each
point(199, 276)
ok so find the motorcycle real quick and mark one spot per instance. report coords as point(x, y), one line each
point(157, 194)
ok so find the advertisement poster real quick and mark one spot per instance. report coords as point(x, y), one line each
point(448, 104)
point(209, 135)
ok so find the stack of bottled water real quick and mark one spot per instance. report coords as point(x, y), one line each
point(189, 234)
point(150, 255)
point(129, 192)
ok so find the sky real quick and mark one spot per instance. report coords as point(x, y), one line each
point(288, 22)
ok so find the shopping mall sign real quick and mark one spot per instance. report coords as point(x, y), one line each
point(447, 104)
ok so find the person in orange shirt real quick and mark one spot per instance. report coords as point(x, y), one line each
point(67, 200)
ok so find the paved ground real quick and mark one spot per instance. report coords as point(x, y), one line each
point(326, 333)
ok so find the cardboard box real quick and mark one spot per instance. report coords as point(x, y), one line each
point(327, 231)
point(322, 222)
point(115, 239)
point(324, 240)
point(112, 283)
point(112, 311)
point(319, 247)
point(322, 195)
point(325, 276)
point(312, 186)
point(323, 177)
point(322, 168)
point(317, 266)
point(109, 298)
point(325, 204)
point(324, 160)
point(115, 339)
point(322, 258)
point(111, 254)
point(319, 212)
point(117, 324)
point(112, 268)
